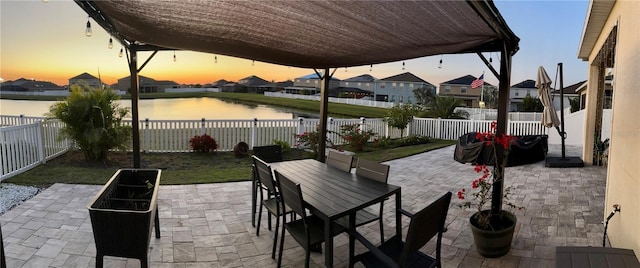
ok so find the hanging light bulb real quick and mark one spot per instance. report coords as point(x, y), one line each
point(440, 64)
point(403, 65)
point(253, 62)
point(490, 57)
point(215, 59)
point(174, 56)
point(345, 69)
point(121, 52)
point(110, 43)
point(370, 67)
point(88, 31)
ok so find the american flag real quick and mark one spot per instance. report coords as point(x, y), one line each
point(478, 82)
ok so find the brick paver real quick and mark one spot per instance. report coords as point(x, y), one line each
point(208, 225)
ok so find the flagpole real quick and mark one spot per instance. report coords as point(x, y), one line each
point(482, 93)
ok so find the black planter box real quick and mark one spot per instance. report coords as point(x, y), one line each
point(123, 213)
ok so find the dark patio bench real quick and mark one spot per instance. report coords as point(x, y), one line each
point(595, 257)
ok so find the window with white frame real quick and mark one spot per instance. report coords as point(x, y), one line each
point(463, 89)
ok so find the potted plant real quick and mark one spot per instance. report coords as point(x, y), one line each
point(492, 227)
point(123, 213)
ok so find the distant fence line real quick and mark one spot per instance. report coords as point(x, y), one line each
point(34, 140)
point(360, 102)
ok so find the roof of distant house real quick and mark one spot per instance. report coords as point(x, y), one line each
point(84, 76)
point(406, 77)
point(315, 76)
point(526, 84)
point(29, 85)
point(361, 78)
point(463, 80)
point(252, 81)
point(570, 89)
point(287, 83)
point(220, 82)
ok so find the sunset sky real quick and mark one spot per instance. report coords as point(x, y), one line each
point(46, 41)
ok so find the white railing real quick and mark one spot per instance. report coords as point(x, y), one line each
point(452, 129)
point(14, 120)
point(492, 114)
point(26, 145)
point(23, 147)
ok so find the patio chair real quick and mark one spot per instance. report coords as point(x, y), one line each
point(308, 231)
point(377, 172)
point(424, 225)
point(340, 161)
point(268, 154)
point(271, 202)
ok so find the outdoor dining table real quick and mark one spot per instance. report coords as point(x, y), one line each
point(331, 194)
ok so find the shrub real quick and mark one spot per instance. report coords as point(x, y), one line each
point(414, 140)
point(283, 145)
point(355, 138)
point(310, 140)
point(203, 143)
point(382, 142)
point(93, 120)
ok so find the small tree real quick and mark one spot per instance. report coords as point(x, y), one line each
point(399, 115)
point(575, 104)
point(530, 104)
point(424, 95)
point(93, 120)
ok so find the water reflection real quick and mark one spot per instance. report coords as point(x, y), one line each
point(172, 109)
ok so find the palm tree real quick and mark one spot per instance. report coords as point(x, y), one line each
point(444, 107)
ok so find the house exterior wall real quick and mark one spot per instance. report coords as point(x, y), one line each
point(623, 173)
point(399, 91)
point(93, 83)
point(305, 82)
point(470, 97)
point(517, 95)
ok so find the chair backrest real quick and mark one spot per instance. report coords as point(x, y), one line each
point(425, 224)
point(340, 161)
point(269, 153)
point(372, 170)
point(263, 171)
point(291, 194)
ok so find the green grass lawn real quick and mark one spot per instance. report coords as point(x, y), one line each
point(182, 168)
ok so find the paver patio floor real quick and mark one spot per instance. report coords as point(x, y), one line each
point(209, 225)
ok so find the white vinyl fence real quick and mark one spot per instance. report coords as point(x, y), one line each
point(33, 140)
point(23, 147)
point(361, 102)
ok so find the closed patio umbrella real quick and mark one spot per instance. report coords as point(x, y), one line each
point(549, 116)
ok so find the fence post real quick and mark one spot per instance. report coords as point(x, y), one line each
point(362, 125)
point(3, 152)
point(147, 138)
point(253, 132)
point(202, 126)
point(438, 127)
point(473, 126)
point(40, 141)
point(22, 119)
point(300, 131)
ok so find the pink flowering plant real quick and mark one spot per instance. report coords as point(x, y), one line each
point(310, 140)
point(355, 138)
point(483, 186)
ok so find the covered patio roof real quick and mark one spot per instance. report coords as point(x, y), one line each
point(308, 34)
point(312, 34)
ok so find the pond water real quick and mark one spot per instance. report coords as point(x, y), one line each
point(171, 109)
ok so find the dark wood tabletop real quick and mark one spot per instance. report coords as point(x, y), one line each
point(331, 194)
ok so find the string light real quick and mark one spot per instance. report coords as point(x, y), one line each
point(253, 62)
point(215, 59)
point(403, 65)
point(490, 57)
point(174, 56)
point(121, 52)
point(110, 43)
point(440, 64)
point(88, 31)
point(345, 69)
point(370, 67)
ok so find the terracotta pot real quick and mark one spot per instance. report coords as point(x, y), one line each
point(241, 149)
point(494, 243)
